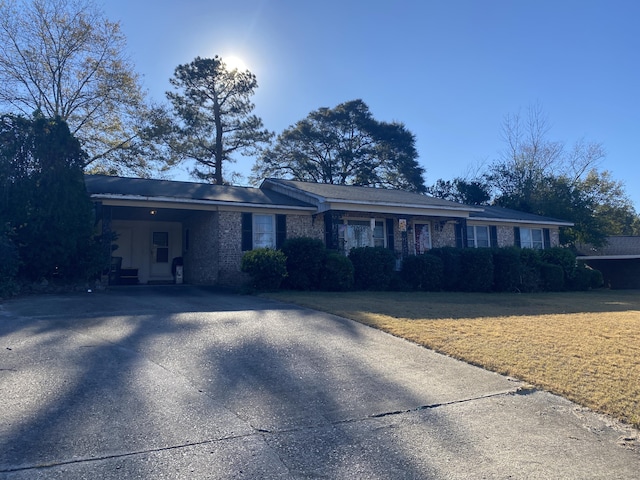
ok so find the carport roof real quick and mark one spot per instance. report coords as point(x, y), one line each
point(617, 247)
point(104, 186)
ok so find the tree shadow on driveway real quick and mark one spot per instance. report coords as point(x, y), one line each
point(157, 382)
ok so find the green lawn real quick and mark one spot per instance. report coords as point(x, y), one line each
point(584, 346)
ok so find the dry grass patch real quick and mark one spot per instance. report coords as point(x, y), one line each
point(582, 345)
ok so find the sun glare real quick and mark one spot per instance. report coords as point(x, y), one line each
point(232, 62)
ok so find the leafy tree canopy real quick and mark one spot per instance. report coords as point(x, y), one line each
point(212, 117)
point(63, 58)
point(347, 146)
point(469, 192)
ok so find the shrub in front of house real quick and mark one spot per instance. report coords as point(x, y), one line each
point(563, 257)
point(422, 272)
point(530, 279)
point(451, 265)
point(584, 278)
point(507, 269)
point(373, 267)
point(337, 273)
point(412, 272)
point(552, 277)
point(267, 267)
point(9, 265)
point(477, 265)
point(595, 276)
point(305, 258)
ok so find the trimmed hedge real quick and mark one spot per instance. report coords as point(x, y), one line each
point(305, 258)
point(477, 265)
point(373, 267)
point(452, 266)
point(552, 277)
point(530, 279)
point(507, 269)
point(266, 266)
point(422, 272)
point(337, 273)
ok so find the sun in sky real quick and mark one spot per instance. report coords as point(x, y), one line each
point(233, 62)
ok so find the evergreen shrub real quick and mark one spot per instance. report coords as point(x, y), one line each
point(507, 269)
point(552, 277)
point(596, 277)
point(337, 273)
point(452, 266)
point(305, 258)
point(373, 267)
point(582, 278)
point(9, 265)
point(530, 280)
point(267, 267)
point(422, 272)
point(477, 265)
point(563, 257)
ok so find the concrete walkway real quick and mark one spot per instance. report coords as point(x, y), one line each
point(188, 383)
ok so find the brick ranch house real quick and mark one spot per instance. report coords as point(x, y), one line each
point(207, 228)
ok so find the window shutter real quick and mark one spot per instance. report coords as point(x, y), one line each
point(493, 235)
point(247, 232)
point(329, 236)
point(516, 237)
point(390, 239)
point(547, 238)
point(281, 230)
point(461, 233)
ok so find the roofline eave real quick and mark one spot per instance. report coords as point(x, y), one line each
point(193, 202)
point(514, 220)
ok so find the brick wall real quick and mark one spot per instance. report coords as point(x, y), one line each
point(201, 253)
point(305, 226)
point(230, 253)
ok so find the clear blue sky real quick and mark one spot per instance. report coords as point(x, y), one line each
point(449, 70)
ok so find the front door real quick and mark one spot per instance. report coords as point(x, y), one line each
point(160, 262)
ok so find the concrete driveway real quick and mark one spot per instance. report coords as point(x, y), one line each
point(188, 383)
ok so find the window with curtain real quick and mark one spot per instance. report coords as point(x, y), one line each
point(531, 238)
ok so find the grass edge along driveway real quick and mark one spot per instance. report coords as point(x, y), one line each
point(584, 346)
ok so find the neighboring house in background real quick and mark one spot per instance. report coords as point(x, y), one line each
point(618, 260)
point(207, 228)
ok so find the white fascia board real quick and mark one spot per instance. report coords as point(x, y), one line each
point(607, 257)
point(187, 203)
point(346, 203)
point(394, 209)
point(520, 222)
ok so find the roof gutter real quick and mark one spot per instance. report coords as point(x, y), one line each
point(514, 220)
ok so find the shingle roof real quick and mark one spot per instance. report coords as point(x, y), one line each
point(616, 246)
point(102, 185)
point(508, 215)
point(350, 193)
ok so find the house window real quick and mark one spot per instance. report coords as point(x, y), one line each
point(531, 238)
point(478, 236)
point(361, 233)
point(422, 237)
point(264, 231)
